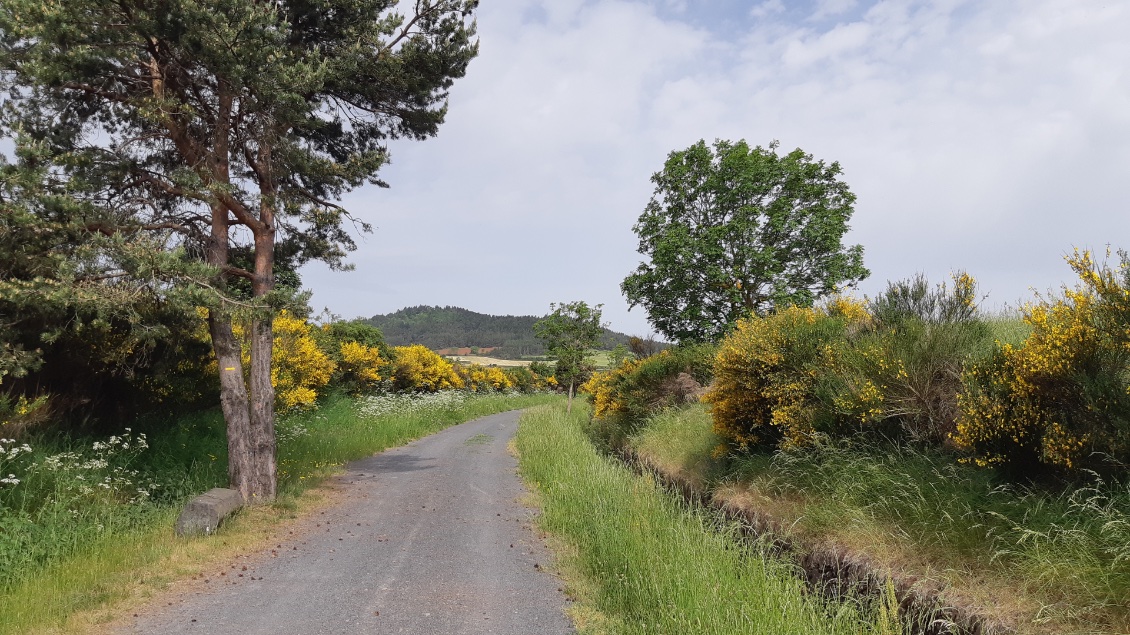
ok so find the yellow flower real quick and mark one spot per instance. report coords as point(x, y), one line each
point(417, 368)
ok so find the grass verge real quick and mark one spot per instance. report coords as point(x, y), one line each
point(640, 563)
point(1044, 561)
point(73, 555)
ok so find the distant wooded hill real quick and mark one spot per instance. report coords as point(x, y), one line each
point(511, 336)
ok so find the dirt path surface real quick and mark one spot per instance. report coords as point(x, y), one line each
point(429, 538)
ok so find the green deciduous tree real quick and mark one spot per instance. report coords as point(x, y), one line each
point(569, 331)
point(732, 231)
point(225, 130)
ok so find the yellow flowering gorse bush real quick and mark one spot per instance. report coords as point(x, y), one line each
point(416, 368)
point(360, 365)
point(1060, 398)
point(299, 368)
point(478, 378)
point(888, 367)
point(764, 376)
point(849, 308)
point(601, 387)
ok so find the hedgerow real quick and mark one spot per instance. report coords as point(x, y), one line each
point(889, 368)
point(1061, 398)
point(638, 388)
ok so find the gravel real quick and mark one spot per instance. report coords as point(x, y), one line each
point(430, 538)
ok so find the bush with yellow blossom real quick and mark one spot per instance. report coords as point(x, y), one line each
point(1061, 398)
point(764, 377)
point(299, 368)
point(887, 368)
point(479, 378)
point(639, 388)
point(601, 388)
point(359, 370)
point(360, 352)
point(416, 368)
point(524, 379)
point(897, 371)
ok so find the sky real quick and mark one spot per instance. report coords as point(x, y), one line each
point(991, 136)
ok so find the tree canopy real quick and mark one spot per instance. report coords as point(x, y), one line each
point(733, 230)
point(569, 331)
point(223, 132)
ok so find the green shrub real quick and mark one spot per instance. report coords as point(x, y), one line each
point(765, 373)
point(914, 299)
point(639, 388)
point(900, 375)
point(1061, 399)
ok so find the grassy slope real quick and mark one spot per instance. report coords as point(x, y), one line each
point(640, 563)
point(90, 579)
point(1046, 562)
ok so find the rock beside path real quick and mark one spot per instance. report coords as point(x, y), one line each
point(203, 514)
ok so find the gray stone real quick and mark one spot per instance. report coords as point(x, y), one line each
point(203, 514)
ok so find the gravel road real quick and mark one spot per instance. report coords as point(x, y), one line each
point(430, 538)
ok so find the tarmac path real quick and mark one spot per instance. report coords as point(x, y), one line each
point(430, 538)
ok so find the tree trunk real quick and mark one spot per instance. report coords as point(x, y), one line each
point(229, 356)
point(569, 406)
point(262, 420)
point(233, 402)
point(263, 445)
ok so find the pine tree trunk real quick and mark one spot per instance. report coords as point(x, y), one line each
point(263, 446)
point(262, 420)
point(233, 390)
point(233, 402)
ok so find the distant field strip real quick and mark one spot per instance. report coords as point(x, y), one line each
point(489, 361)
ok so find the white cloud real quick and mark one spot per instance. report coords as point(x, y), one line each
point(767, 8)
point(831, 8)
point(842, 39)
point(985, 136)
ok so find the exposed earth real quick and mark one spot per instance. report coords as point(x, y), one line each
point(427, 538)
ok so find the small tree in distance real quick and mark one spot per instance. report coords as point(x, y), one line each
point(643, 347)
point(733, 231)
point(568, 333)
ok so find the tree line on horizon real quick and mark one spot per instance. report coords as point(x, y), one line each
point(510, 336)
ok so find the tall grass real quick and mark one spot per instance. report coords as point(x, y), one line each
point(81, 519)
point(1065, 550)
point(1009, 328)
point(646, 564)
point(682, 442)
